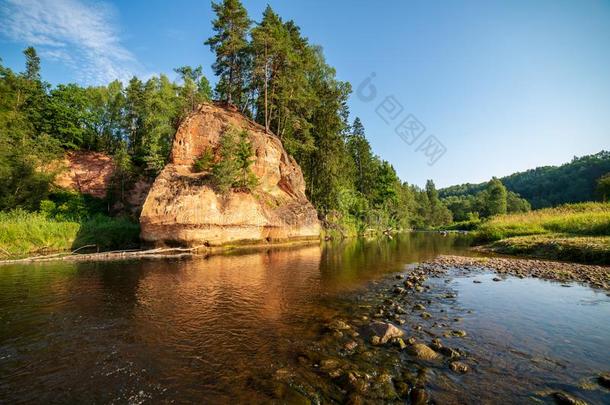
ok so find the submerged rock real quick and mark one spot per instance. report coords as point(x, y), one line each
point(561, 398)
point(604, 380)
point(338, 325)
point(385, 331)
point(458, 333)
point(419, 396)
point(458, 367)
point(422, 351)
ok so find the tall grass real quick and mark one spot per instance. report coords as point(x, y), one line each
point(583, 219)
point(25, 233)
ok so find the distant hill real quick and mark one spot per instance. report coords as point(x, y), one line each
point(548, 186)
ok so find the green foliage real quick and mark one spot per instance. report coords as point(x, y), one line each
point(71, 206)
point(232, 170)
point(495, 198)
point(204, 162)
point(32, 64)
point(230, 46)
point(108, 233)
point(161, 105)
point(586, 219)
point(195, 88)
point(27, 233)
point(584, 249)
point(550, 185)
point(68, 117)
point(123, 172)
point(26, 155)
point(603, 187)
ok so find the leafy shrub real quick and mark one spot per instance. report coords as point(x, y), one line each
point(108, 233)
point(204, 162)
point(72, 206)
point(233, 168)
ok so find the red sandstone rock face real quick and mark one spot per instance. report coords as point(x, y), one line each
point(182, 208)
point(87, 173)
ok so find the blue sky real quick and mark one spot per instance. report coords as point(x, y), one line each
point(503, 86)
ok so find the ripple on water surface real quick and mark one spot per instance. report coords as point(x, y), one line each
point(213, 329)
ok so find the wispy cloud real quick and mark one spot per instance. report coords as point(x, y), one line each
point(82, 35)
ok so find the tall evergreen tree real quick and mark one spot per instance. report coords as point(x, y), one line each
point(364, 161)
point(134, 116)
point(230, 45)
point(32, 64)
point(268, 45)
point(195, 87)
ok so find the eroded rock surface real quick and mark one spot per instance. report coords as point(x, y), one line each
point(183, 208)
point(86, 172)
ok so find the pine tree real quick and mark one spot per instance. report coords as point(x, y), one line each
point(230, 45)
point(195, 87)
point(265, 47)
point(364, 161)
point(32, 64)
point(133, 120)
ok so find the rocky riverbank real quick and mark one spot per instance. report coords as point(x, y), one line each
point(594, 276)
point(403, 339)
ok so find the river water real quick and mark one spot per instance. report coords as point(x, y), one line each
point(250, 328)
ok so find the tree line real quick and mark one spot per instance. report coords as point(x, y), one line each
point(273, 75)
point(549, 186)
point(135, 123)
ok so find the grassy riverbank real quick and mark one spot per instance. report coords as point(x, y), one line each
point(27, 234)
point(576, 232)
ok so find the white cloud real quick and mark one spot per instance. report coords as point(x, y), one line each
point(82, 35)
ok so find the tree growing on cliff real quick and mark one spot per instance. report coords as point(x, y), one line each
point(232, 170)
point(195, 87)
point(230, 45)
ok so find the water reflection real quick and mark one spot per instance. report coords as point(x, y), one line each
point(196, 330)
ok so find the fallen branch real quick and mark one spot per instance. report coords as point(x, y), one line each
point(117, 254)
point(83, 247)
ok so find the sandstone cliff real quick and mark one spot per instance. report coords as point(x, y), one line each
point(86, 172)
point(183, 208)
point(91, 173)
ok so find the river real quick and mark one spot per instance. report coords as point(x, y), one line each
point(252, 328)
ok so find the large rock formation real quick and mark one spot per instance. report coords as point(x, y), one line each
point(183, 207)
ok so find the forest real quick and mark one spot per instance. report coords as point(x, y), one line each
point(548, 186)
point(274, 76)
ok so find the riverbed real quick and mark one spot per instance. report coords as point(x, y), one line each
point(291, 326)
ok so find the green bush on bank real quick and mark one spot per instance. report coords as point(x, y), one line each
point(25, 233)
